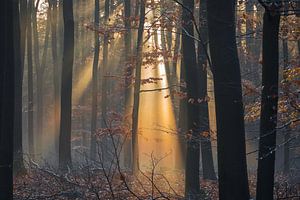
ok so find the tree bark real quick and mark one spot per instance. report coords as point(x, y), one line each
point(31, 141)
point(137, 86)
point(56, 73)
point(192, 182)
point(269, 103)
point(7, 95)
point(19, 67)
point(105, 84)
point(205, 141)
point(66, 87)
point(95, 82)
point(232, 166)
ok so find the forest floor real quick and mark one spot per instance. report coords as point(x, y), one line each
point(95, 184)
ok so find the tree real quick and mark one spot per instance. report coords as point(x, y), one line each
point(232, 167)
point(128, 76)
point(66, 87)
point(105, 83)
point(137, 86)
point(95, 82)
point(269, 102)
point(192, 182)
point(206, 151)
point(56, 74)
point(19, 67)
point(105, 62)
point(31, 141)
point(7, 94)
point(127, 40)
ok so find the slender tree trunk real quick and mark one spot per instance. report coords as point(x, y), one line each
point(95, 82)
point(31, 142)
point(206, 150)
point(105, 84)
point(137, 86)
point(128, 78)
point(66, 87)
point(19, 67)
point(105, 70)
point(56, 73)
point(128, 74)
point(192, 182)
point(60, 31)
point(269, 103)
point(232, 166)
point(7, 95)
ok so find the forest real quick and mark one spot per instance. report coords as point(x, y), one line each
point(150, 100)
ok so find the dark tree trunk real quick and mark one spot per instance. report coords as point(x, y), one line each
point(19, 67)
point(95, 82)
point(66, 87)
point(105, 70)
point(7, 95)
point(206, 151)
point(56, 73)
point(269, 102)
point(137, 86)
point(192, 182)
point(31, 142)
point(232, 166)
point(23, 25)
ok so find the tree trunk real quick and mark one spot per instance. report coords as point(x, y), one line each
point(206, 151)
point(232, 166)
point(105, 62)
point(105, 84)
point(31, 142)
point(95, 82)
point(128, 78)
point(137, 86)
point(7, 94)
point(192, 182)
point(56, 74)
point(269, 102)
point(19, 67)
point(127, 38)
point(66, 87)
